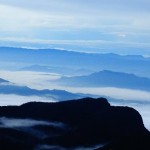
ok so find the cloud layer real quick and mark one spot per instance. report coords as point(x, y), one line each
point(115, 21)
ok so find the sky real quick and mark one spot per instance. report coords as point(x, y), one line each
point(100, 22)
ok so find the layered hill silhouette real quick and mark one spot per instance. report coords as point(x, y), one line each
point(56, 69)
point(92, 61)
point(7, 87)
point(108, 79)
point(26, 91)
point(70, 125)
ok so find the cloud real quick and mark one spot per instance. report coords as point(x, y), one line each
point(82, 6)
point(75, 20)
point(14, 123)
point(31, 79)
point(11, 99)
point(38, 80)
point(118, 93)
point(62, 13)
point(122, 35)
point(137, 99)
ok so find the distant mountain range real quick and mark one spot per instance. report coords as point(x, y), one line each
point(108, 79)
point(9, 88)
point(135, 64)
point(56, 69)
point(58, 95)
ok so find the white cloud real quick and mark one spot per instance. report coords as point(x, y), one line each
point(62, 13)
point(133, 98)
point(7, 100)
point(81, 6)
point(122, 35)
point(32, 79)
point(38, 80)
point(63, 19)
point(118, 93)
point(15, 123)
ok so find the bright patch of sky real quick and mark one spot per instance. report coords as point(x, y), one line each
point(109, 21)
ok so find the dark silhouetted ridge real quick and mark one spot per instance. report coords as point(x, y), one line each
point(70, 124)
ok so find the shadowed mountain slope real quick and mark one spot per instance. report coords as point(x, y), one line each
point(92, 61)
point(108, 79)
point(70, 124)
point(7, 87)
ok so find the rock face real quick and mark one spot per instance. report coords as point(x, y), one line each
point(70, 124)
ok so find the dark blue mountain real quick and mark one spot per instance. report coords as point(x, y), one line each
point(72, 124)
point(56, 69)
point(108, 79)
point(7, 87)
point(26, 91)
point(92, 61)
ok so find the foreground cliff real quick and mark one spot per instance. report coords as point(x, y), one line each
point(71, 124)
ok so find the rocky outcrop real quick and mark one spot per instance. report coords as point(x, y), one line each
point(68, 124)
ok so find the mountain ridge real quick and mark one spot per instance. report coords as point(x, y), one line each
point(6, 87)
point(107, 78)
point(78, 60)
point(78, 123)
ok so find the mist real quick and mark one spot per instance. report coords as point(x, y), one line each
point(12, 100)
point(137, 99)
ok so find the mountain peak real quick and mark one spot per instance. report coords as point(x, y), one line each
point(74, 123)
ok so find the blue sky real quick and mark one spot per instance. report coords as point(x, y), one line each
point(122, 22)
